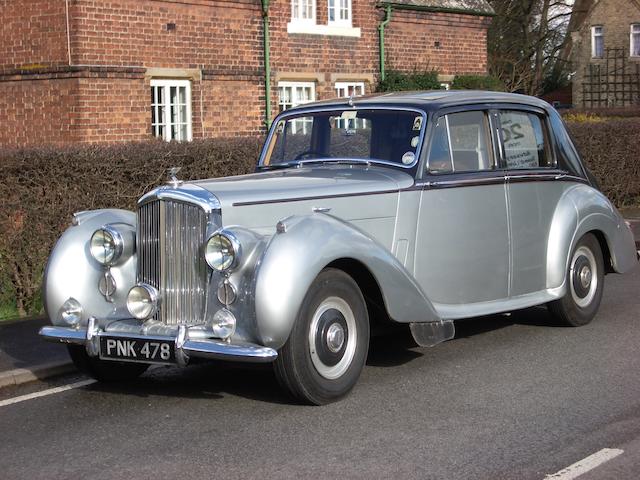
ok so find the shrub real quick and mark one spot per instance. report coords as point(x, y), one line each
point(477, 82)
point(397, 81)
point(41, 188)
point(583, 117)
point(608, 112)
point(611, 150)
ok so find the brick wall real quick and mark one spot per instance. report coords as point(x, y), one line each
point(616, 16)
point(37, 111)
point(450, 43)
point(116, 46)
point(32, 34)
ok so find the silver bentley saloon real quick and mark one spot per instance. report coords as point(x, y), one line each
point(411, 208)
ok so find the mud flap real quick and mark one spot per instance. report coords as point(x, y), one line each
point(429, 334)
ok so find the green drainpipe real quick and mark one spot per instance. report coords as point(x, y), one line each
point(267, 64)
point(383, 24)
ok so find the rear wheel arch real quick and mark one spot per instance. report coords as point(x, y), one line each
point(605, 249)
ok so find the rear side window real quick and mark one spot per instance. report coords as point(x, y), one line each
point(524, 140)
point(459, 144)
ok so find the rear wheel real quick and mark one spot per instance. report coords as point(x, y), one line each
point(327, 348)
point(585, 278)
point(105, 370)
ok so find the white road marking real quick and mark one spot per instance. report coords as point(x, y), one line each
point(44, 393)
point(586, 464)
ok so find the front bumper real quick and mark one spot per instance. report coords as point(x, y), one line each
point(186, 348)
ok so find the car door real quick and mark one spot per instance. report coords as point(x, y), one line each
point(534, 186)
point(462, 241)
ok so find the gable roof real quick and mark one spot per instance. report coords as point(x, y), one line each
point(475, 7)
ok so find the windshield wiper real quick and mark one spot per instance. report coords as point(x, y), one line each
point(340, 161)
point(278, 166)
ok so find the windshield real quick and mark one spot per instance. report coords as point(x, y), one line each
point(374, 135)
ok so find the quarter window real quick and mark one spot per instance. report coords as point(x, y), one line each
point(459, 144)
point(303, 11)
point(523, 139)
point(635, 40)
point(340, 12)
point(597, 41)
point(171, 109)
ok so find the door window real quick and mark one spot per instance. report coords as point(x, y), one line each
point(524, 141)
point(459, 144)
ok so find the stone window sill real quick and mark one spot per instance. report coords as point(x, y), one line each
point(313, 29)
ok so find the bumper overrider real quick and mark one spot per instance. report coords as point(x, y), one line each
point(185, 346)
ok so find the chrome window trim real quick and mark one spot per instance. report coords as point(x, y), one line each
point(495, 154)
point(495, 177)
point(307, 110)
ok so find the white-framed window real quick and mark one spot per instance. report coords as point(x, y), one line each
point(349, 89)
point(597, 41)
point(292, 94)
point(303, 11)
point(340, 13)
point(634, 41)
point(171, 109)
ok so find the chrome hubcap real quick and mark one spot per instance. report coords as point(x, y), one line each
point(335, 337)
point(332, 338)
point(583, 276)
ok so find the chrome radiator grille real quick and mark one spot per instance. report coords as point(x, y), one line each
point(169, 238)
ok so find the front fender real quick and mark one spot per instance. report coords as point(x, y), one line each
point(72, 272)
point(307, 244)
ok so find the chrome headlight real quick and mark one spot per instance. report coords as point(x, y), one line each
point(142, 301)
point(222, 251)
point(106, 245)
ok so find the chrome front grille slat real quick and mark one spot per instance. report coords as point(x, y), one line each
point(170, 235)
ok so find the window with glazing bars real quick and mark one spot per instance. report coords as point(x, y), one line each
point(292, 94)
point(340, 12)
point(303, 11)
point(171, 109)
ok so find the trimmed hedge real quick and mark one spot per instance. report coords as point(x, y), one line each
point(611, 150)
point(398, 81)
point(41, 188)
point(477, 82)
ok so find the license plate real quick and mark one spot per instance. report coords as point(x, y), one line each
point(135, 350)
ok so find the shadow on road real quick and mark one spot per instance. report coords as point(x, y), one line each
point(216, 380)
point(209, 381)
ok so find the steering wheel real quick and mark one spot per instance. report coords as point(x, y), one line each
point(310, 153)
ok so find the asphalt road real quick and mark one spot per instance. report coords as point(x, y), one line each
point(510, 398)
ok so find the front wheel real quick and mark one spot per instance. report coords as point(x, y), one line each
point(328, 345)
point(104, 370)
point(585, 282)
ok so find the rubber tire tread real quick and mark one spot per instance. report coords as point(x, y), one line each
point(294, 368)
point(565, 310)
point(104, 370)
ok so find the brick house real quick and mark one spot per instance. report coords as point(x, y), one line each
point(605, 54)
point(120, 70)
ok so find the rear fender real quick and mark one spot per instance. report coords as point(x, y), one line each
point(583, 209)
